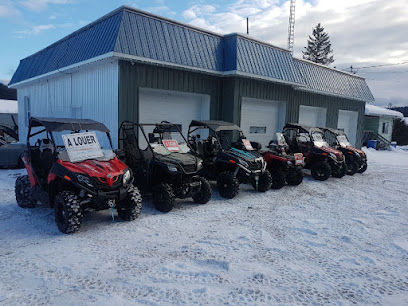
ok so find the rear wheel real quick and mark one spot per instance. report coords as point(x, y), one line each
point(363, 168)
point(264, 182)
point(320, 171)
point(131, 206)
point(163, 197)
point(24, 192)
point(204, 195)
point(340, 170)
point(278, 179)
point(68, 212)
point(352, 167)
point(295, 178)
point(228, 185)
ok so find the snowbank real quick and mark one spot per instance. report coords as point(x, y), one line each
point(342, 241)
point(380, 111)
point(8, 107)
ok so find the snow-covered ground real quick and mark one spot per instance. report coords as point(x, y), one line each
point(341, 241)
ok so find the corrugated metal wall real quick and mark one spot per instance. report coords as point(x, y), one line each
point(132, 77)
point(90, 93)
point(236, 88)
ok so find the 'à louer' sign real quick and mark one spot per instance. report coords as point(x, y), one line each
point(82, 146)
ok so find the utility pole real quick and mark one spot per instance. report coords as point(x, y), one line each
point(291, 28)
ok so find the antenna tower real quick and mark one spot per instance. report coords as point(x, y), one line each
point(291, 28)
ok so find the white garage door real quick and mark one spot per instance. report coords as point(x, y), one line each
point(176, 107)
point(261, 119)
point(348, 123)
point(313, 116)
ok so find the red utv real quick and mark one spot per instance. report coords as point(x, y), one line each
point(285, 167)
point(75, 173)
point(320, 158)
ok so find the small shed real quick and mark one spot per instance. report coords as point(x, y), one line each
point(378, 124)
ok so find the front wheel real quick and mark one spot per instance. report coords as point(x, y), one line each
point(204, 195)
point(363, 168)
point(227, 185)
point(352, 167)
point(320, 171)
point(68, 212)
point(278, 179)
point(131, 206)
point(24, 192)
point(264, 181)
point(295, 178)
point(163, 197)
point(339, 170)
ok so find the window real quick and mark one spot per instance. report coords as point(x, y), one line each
point(27, 110)
point(385, 127)
point(257, 129)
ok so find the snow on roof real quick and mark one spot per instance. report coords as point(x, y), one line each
point(380, 111)
point(8, 107)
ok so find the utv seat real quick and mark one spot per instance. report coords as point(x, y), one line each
point(133, 155)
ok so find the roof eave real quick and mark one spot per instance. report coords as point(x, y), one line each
point(321, 92)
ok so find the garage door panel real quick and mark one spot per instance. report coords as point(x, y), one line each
point(347, 121)
point(176, 107)
point(261, 119)
point(312, 115)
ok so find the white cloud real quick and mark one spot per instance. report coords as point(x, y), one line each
point(8, 10)
point(161, 10)
point(39, 5)
point(35, 30)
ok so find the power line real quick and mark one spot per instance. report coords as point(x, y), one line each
point(382, 65)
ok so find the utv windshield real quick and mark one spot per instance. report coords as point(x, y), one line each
point(229, 138)
point(163, 139)
point(318, 140)
point(343, 141)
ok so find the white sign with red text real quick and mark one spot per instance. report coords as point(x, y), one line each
point(247, 144)
point(298, 158)
point(171, 145)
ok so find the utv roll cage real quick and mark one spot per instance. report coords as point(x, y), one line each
point(64, 124)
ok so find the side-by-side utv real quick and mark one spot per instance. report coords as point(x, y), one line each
point(356, 159)
point(320, 158)
point(68, 170)
point(228, 157)
point(163, 163)
point(284, 166)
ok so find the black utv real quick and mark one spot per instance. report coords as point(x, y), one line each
point(162, 163)
point(320, 158)
point(356, 160)
point(228, 157)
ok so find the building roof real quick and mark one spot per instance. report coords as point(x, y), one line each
point(131, 34)
point(373, 110)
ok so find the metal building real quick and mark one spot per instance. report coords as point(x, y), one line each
point(134, 65)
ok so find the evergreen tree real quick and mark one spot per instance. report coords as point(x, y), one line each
point(318, 47)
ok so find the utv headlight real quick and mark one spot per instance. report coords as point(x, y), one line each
point(332, 155)
point(200, 164)
point(84, 180)
point(126, 177)
point(172, 168)
point(289, 163)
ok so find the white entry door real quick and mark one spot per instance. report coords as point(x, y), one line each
point(261, 119)
point(348, 123)
point(312, 115)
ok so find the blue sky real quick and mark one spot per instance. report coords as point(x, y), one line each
point(363, 33)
